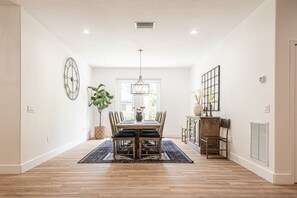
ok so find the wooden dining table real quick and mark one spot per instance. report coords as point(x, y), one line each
point(138, 126)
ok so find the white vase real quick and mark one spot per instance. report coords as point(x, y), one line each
point(198, 108)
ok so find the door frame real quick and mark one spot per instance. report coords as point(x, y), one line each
point(293, 113)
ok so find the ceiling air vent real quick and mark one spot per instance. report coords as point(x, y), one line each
point(145, 25)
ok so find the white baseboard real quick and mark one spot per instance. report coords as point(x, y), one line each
point(18, 169)
point(42, 158)
point(257, 169)
point(172, 135)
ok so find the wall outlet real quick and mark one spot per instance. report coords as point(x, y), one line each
point(267, 109)
point(47, 139)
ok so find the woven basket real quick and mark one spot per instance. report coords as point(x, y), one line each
point(99, 132)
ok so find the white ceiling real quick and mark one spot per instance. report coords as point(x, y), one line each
point(114, 42)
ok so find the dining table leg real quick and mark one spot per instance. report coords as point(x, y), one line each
point(138, 131)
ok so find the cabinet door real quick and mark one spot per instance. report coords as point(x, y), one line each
point(209, 127)
point(192, 130)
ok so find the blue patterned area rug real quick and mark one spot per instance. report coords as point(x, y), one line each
point(171, 153)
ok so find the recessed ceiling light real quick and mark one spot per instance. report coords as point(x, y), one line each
point(194, 32)
point(86, 31)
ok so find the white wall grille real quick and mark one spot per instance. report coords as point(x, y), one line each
point(259, 142)
point(145, 25)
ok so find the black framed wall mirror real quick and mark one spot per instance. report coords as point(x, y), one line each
point(210, 82)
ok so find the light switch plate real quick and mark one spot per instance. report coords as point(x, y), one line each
point(262, 79)
point(267, 109)
point(30, 108)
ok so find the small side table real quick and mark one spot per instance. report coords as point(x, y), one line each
point(184, 135)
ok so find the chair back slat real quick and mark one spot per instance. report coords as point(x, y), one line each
point(163, 118)
point(116, 116)
point(112, 123)
point(121, 116)
point(225, 125)
point(160, 117)
point(157, 116)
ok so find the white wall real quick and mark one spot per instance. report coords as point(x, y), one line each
point(10, 69)
point(286, 31)
point(245, 54)
point(175, 94)
point(58, 122)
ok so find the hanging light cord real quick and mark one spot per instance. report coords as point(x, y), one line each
point(140, 87)
point(140, 50)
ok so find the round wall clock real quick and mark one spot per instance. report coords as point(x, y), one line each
point(71, 78)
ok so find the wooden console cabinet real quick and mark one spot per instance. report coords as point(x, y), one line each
point(202, 126)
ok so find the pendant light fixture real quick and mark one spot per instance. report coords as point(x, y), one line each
point(140, 87)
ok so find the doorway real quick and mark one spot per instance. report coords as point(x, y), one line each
point(294, 62)
point(293, 104)
point(293, 110)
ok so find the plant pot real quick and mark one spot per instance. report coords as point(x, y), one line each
point(99, 132)
point(198, 108)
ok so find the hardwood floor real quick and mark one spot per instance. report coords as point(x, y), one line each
point(63, 177)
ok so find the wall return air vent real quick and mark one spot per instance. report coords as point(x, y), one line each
point(145, 25)
point(259, 142)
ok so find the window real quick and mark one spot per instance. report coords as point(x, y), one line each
point(126, 102)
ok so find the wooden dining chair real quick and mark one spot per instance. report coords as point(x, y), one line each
point(146, 149)
point(117, 116)
point(221, 138)
point(158, 119)
point(118, 137)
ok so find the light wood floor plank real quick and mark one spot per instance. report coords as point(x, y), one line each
point(63, 177)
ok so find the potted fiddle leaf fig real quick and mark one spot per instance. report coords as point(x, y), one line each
point(101, 99)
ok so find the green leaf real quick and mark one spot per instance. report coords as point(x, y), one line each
point(103, 93)
point(101, 85)
point(101, 99)
point(92, 88)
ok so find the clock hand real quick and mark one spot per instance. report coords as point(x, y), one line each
point(69, 77)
